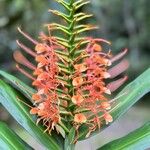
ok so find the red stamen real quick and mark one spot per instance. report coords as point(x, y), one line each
point(27, 36)
point(26, 49)
point(24, 72)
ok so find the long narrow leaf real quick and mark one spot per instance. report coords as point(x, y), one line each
point(8, 98)
point(138, 140)
point(9, 140)
point(128, 97)
point(21, 86)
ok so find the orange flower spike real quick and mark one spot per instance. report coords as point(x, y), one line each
point(77, 99)
point(40, 48)
point(58, 64)
point(80, 67)
point(80, 118)
point(77, 81)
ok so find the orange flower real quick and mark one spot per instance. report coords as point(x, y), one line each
point(40, 48)
point(80, 118)
point(106, 75)
point(108, 118)
point(37, 72)
point(36, 97)
point(77, 99)
point(34, 110)
point(100, 60)
point(107, 91)
point(107, 62)
point(106, 105)
point(77, 81)
point(97, 47)
point(80, 67)
point(41, 59)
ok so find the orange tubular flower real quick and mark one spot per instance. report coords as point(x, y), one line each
point(80, 67)
point(77, 81)
point(80, 118)
point(77, 99)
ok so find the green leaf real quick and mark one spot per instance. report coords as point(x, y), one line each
point(133, 92)
point(70, 139)
point(22, 87)
point(71, 136)
point(138, 140)
point(8, 98)
point(9, 140)
point(128, 97)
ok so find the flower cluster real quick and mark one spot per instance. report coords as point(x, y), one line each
point(69, 73)
point(45, 73)
point(90, 70)
point(90, 87)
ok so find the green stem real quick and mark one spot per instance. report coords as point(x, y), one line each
point(71, 41)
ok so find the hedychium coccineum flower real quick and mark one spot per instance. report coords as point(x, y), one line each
point(88, 102)
point(71, 85)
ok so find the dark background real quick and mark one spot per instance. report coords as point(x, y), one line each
point(126, 23)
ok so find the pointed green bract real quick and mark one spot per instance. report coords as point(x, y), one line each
point(9, 140)
point(8, 98)
point(125, 99)
point(138, 139)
